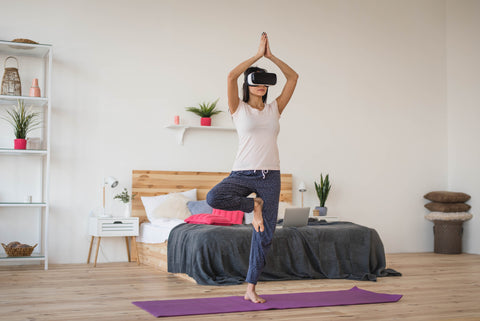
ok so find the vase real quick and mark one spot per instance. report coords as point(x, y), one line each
point(126, 212)
point(20, 143)
point(206, 121)
point(35, 90)
point(322, 211)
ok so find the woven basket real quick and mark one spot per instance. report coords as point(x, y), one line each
point(18, 251)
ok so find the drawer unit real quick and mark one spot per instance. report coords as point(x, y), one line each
point(113, 226)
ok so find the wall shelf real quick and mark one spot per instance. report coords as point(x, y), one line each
point(183, 129)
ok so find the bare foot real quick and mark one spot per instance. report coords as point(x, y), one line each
point(257, 215)
point(251, 295)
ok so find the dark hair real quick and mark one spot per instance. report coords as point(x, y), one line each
point(246, 92)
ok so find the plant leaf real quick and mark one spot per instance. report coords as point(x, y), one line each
point(205, 109)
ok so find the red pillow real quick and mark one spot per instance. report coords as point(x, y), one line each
point(236, 217)
point(208, 219)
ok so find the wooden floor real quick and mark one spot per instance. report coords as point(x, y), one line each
point(435, 287)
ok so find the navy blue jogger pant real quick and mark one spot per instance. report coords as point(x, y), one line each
point(231, 195)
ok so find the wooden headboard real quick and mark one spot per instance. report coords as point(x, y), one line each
point(152, 183)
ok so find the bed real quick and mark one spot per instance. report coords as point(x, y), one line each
point(218, 255)
point(153, 183)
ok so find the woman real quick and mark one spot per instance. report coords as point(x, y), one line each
point(257, 165)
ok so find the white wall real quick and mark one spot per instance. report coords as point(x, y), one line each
point(370, 106)
point(463, 68)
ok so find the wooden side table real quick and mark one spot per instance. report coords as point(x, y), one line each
point(113, 227)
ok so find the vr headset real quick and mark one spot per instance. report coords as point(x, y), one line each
point(261, 79)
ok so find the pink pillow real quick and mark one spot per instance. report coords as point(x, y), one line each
point(208, 219)
point(236, 217)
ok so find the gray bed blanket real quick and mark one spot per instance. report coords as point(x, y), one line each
point(218, 255)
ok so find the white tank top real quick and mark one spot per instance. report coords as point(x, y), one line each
point(257, 137)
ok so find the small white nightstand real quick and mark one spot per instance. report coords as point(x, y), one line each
point(113, 227)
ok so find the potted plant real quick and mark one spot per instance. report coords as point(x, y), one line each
point(206, 111)
point(23, 121)
point(322, 192)
point(125, 198)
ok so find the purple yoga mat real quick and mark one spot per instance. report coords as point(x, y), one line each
point(169, 308)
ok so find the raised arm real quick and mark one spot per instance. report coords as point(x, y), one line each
point(232, 80)
point(289, 73)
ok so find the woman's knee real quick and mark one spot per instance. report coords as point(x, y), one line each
point(212, 198)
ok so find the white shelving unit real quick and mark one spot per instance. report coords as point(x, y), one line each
point(35, 61)
point(183, 129)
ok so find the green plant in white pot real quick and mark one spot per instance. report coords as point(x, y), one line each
point(205, 111)
point(23, 121)
point(125, 198)
point(322, 188)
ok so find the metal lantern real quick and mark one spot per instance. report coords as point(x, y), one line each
point(11, 84)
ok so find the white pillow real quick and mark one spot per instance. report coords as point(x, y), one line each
point(166, 222)
point(248, 218)
point(173, 206)
point(151, 202)
point(191, 194)
point(281, 209)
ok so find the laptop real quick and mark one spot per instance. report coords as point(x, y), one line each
point(296, 217)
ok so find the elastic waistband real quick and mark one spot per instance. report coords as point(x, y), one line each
point(264, 172)
point(253, 172)
point(246, 171)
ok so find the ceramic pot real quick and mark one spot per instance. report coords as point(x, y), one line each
point(20, 143)
point(322, 211)
point(206, 121)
